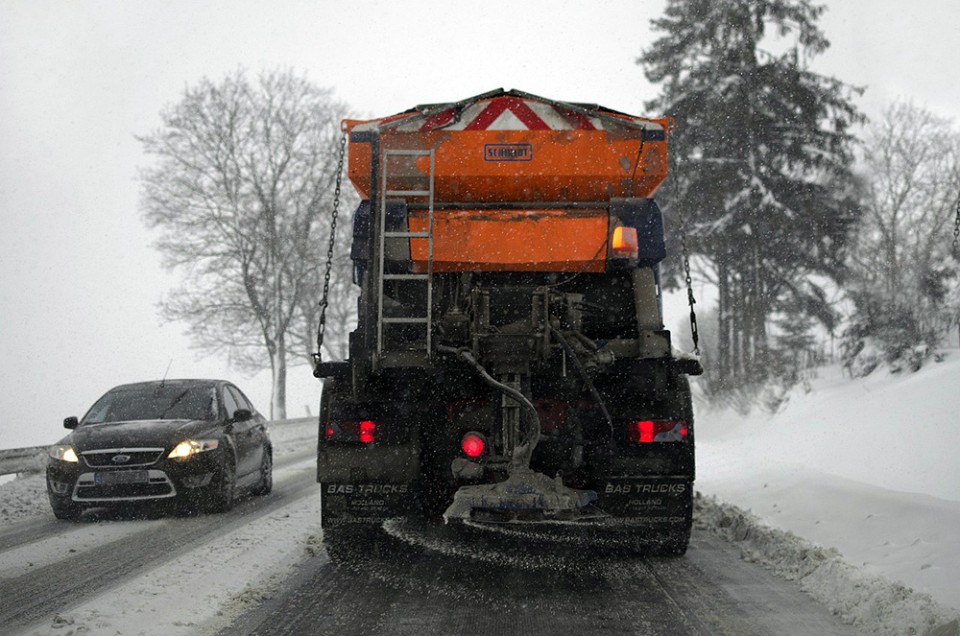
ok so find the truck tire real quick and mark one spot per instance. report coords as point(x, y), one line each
point(351, 543)
point(433, 491)
point(682, 401)
point(675, 546)
point(669, 539)
point(681, 406)
point(326, 396)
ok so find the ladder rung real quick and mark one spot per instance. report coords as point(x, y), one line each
point(406, 235)
point(420, 323)
point(409, 193)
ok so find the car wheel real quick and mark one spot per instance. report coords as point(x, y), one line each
point(66, 510)
point(266, 474)
point(223, 493)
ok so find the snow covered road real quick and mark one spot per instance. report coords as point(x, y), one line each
point(418, 578)
point(258, 568)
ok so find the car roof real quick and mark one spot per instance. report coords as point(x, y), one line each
point(179, 382)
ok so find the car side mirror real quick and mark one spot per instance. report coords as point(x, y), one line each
point(242, 415)
point(71, 422)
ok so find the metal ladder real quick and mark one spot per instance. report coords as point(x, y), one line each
point(427, 278)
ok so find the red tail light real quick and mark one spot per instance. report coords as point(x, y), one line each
point(363, 431)
point(473, 444)
point(645, 431)
point(367, 431)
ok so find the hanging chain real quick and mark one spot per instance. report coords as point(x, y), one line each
point(694, 332)
point(956, 232)
point(956, 248)
point(321, 328)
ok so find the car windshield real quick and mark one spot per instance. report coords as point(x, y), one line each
point(160, 402)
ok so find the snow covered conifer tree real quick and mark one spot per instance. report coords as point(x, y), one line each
point(761, 154)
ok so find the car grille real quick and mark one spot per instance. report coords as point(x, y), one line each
point(102, 458)
point(157, 486)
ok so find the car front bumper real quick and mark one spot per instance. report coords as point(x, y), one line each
point(164, 479)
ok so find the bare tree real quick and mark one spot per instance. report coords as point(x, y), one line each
point(902, 270)
point(241, 191)
point(341, 314)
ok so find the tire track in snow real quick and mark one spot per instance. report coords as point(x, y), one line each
point(69, 581)
point(413, 580)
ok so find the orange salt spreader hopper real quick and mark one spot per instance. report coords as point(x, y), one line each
point(519, 182)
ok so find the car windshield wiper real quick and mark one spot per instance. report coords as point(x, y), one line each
point(174, 403)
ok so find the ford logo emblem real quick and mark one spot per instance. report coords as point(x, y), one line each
point(120, 459)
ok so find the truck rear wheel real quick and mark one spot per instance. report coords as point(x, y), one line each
point(351, 543)
point(675, 546)
point(681, 407)
point(659, 502)
point(434, 492)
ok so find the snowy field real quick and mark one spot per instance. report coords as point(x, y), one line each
point(852, 489)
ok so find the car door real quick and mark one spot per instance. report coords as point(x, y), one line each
point(260, 422)
point(247, 435)
point(238, 431)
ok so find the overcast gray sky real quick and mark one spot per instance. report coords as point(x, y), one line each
point(79, 280)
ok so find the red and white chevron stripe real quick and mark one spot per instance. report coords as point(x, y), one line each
point(506, 112)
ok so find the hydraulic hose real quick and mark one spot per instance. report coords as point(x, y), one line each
point(586, 378)
point(523, 452)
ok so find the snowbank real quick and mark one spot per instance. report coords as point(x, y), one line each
point(895, 431)
point(873, 604)
point(22, 497)
point(867, 468)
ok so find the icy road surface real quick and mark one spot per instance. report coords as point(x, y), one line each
point(416, 579)
point(262, 569)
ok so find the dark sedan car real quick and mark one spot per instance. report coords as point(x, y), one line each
point(198, 443)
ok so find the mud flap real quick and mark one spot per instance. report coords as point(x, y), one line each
point(364, 502)
point(660, 501)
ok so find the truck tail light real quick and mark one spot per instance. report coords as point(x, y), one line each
point(473, 444)
point(363, 431)
point(368, 431)
point(645, 431)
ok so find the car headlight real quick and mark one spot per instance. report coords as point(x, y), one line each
point(190, 447)
point(63, 454)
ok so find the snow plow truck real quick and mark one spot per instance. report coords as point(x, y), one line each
point(510, 362)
